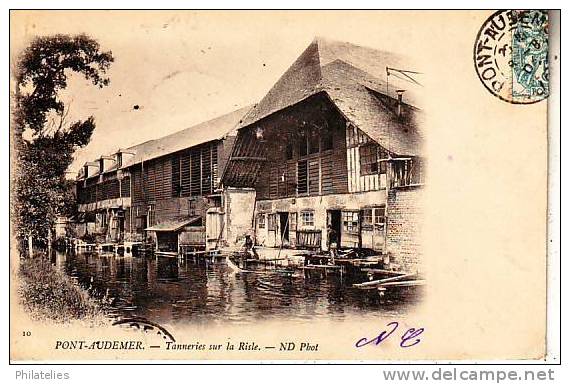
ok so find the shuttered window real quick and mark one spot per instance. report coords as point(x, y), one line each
point(302, 177)
point(176, 186)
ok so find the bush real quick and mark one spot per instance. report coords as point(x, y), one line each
point(49, 294)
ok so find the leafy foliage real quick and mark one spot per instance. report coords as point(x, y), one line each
point(48, 294)
point(43, 156)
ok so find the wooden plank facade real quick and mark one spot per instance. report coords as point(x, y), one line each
point(179, 184)
point(126, 200)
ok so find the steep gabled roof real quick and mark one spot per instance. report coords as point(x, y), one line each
point(210, 130)
point(360, 99)
point(352, 77)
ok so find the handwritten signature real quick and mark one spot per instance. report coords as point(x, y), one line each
point(408, 339)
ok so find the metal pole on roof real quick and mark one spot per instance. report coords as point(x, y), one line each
point(405, 73)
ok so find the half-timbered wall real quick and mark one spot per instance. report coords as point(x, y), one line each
point(361, 176)
point(300, 151)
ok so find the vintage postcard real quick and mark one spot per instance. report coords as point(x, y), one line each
point(280, 185)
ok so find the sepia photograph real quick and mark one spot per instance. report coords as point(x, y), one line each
point(278, 185)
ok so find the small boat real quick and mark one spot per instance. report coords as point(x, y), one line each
point(233, 266)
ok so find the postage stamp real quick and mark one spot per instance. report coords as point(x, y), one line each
point(511, 55)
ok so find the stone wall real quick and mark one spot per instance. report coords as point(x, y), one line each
point(405, 219)
point(239, 205)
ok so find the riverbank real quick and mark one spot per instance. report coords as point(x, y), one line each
point(48, 294)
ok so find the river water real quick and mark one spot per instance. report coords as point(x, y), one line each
point(167, 290)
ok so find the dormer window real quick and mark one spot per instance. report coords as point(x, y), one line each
point(119, 159)
point(101, 165)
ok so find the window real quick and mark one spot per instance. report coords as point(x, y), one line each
point(113, 221)
point(206, 161)
point(307, 218)
point(195, 173)
point(313, 141)
point(261, 221)
point(176, 186)
point(192, 207)
point(309, 141)
point(407, 172)
point(369, 159)
point(327, 137)
point(382, 155)
point(302, 143)
point(367, 218)
point(350, 221)
point(151, 218)
point(101, 219)
point(289, 151)
point(417, 172)
point(302, 177)
point(379, 218)
point(139, 223)
point(271, 222)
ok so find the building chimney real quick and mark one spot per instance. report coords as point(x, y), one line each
point(400, 92)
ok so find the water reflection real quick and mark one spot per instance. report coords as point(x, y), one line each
point(171, 290)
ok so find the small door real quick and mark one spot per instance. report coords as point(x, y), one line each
point(379, 235)
point(141, 224)
point(272, 232)
point(292, 228)
point(284, 227)
point(121, 224)
point(373, 228)
point(367, 227)
point(350, 233)
point(214, 228)
point(334, 220)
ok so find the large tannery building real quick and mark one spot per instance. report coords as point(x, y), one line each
point(159, 190)
point(336, 141)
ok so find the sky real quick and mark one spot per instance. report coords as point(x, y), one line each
point(173, 70)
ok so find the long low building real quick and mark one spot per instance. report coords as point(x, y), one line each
point(159, 190)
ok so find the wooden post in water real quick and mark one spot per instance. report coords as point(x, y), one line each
point(49, 241)
point(30, 246)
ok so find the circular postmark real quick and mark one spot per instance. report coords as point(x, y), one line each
point(511, 55)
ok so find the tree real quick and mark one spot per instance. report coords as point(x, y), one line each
point(45, 152)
